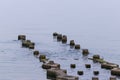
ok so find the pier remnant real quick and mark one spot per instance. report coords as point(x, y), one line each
point(67, 77)
point(42, 58)
point(50, 64)
point(113, 78)
point(21, 37)
point(31, 46)
point(36, 53)
point(88, 65)
point(72, 43)
point(115, 71)
point(72, 65)
point(95, 72)
point(55, 34)
point(95, 78)
point(53, 73)
point(59, 37)
point(85, 51)
point(96, 56)
point(109, 65)
point(77, 46)
point(80, 72)
point(64, 39)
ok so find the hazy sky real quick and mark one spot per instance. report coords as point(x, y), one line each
point(92, 13)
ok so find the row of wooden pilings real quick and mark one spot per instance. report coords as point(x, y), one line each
point(114, 68)
point(63, 39)
point(54, 72)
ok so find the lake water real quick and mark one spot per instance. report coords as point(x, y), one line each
point(92, 24)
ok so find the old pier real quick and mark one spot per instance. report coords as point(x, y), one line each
point(54, 70)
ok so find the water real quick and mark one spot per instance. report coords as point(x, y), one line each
point(92, 24)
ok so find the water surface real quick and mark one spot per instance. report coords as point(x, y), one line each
point(92, 24)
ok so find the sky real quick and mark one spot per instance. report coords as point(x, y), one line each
point(57, 13)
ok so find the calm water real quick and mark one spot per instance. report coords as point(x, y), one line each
point(92, 24)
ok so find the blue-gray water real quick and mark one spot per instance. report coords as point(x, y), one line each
point(92, 24)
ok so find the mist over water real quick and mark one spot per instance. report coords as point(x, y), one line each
point(93, 24)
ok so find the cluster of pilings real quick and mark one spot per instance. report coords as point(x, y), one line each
point(63, 39)
point(53, 70)
point(26, 43)
point(114, 68)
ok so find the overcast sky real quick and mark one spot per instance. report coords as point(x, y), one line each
point(60, 13)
